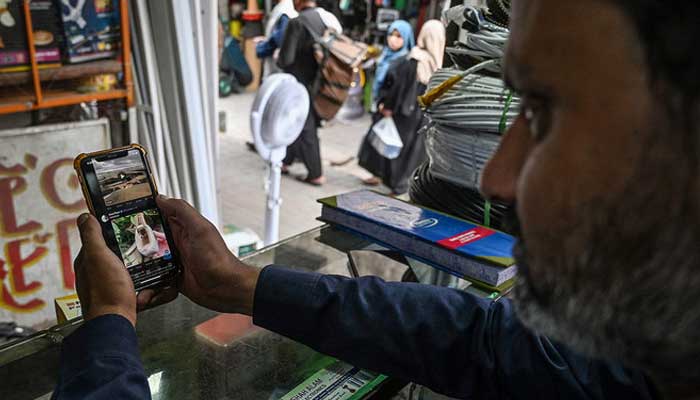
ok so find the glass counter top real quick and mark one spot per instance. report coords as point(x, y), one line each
point(187, 360)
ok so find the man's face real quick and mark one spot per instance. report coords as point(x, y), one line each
point(598, 177)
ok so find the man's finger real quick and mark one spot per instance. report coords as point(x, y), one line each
point(90, 231)
point(167, 295)
point(176, 229)
point(144, 297)
point(149, 298)
point(78, 262)
point(78, 270)
point(179, 209)
point(78, 266)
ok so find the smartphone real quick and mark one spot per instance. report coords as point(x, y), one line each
point(121, 193)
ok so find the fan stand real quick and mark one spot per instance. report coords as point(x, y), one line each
point(272, 135)
point(274, 201)
point(273, 184)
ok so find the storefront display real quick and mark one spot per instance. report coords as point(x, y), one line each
point(70, 31)
point(91, 33)
point(40, 198)
point(48, 37)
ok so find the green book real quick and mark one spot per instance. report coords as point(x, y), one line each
point(501, 289)
point(337, 381)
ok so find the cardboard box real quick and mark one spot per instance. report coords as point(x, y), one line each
point(67, 308)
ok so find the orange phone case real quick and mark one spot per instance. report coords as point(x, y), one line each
point(82, 156)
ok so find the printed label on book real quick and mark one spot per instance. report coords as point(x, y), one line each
point(467, 237)
point(338, 381)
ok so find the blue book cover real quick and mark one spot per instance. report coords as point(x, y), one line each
point(452, 244)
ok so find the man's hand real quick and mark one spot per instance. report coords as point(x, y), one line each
point(103, 283)
point(212, 276)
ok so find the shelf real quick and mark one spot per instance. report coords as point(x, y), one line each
point(59, 98)
point(56, 98)
point(26, 90)
point(16, 104)
point(65, 72)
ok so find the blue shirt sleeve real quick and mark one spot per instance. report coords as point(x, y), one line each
point(450, 341)
point(267, 47)
point(101, 361)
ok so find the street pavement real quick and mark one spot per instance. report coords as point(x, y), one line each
point(242, 172)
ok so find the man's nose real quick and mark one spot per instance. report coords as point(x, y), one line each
point(500, 175)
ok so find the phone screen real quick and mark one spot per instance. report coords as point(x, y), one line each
point(122, 193)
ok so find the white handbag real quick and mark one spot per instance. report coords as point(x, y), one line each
point(385, 138)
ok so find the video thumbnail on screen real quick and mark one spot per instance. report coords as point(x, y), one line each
point(122, 179)
point(141, 237)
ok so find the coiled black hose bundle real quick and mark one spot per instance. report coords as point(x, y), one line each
point(461, 202)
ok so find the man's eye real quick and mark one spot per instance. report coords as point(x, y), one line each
point(538, 118)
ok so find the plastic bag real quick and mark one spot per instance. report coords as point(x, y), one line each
point(385, 138)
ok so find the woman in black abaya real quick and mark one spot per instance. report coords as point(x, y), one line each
point(406, 80)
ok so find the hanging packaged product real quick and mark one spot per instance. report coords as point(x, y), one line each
point(108, 24)
point(90, 35)
point(14, 48)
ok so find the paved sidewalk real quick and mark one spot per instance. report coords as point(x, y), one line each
point(242, 173)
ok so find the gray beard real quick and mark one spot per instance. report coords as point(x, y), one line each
point(622, 281)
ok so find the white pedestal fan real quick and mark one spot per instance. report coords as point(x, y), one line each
point(279, 112)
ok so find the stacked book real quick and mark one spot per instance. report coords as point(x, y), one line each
point(466, 250)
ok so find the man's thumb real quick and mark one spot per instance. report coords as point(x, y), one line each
point(90, 231)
